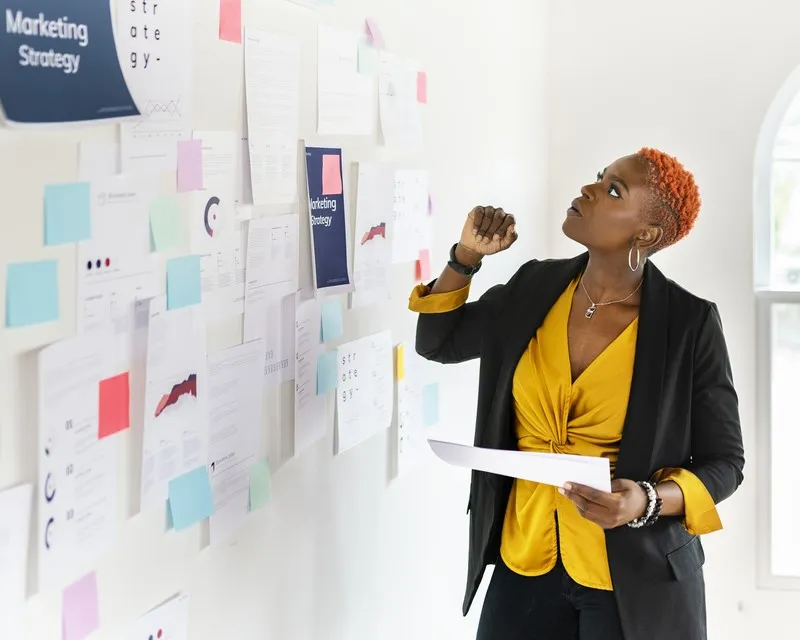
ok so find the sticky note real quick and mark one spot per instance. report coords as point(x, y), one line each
point(67, 213)
point(374, 34)
point(331, 313)
point(114, 412)
point(331, 175)
point(166, 231)
point(190, 498)
point(399, 362)
point(430, 404)
point(183, 282)
point(79, 616)
point(260, 485)
point(327, 372)
point(31, 293)
point(422, 87)
point(230, 20)
point(424, 265)
point(190, 165)
point(368, 59)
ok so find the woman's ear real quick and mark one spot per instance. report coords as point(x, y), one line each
point(649, 238)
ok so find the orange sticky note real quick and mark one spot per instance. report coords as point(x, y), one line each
point(331, 175)
point(424, 265)
point(230, 20)
point(114, 405)
point(422, 87)
point(400, 362)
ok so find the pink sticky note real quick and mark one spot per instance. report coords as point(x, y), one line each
point(422, 87)
point(424, 265)
point(331, 175)
point(79, 615)
point(114, 405)
point(230, 20)
point(190, 165)
point(374, 34)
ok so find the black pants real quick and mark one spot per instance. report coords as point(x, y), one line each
point(548, 607)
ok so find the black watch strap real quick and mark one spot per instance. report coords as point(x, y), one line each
point(463, 269)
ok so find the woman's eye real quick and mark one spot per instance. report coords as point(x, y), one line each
point(614, 192)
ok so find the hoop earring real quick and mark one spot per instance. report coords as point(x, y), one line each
point(630, 259)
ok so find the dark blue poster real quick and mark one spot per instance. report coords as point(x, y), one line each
point(328, 218)
point(58, 63)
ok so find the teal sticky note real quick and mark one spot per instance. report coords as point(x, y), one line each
point(430, 404)
point(31, 293)
point(190, 498)
point(260, 485)
point(165, 224)
point(368, 60)
point(331, 319)
point(327, 372)
point(183, 282)
point(67, 213)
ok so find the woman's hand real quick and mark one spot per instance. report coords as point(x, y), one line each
point(487, 231)
point(626, 502)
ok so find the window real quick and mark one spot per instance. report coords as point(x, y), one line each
point(777, 286)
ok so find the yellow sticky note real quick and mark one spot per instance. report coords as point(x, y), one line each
point(400, 363)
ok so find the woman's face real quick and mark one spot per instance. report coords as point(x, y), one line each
point(608, 215)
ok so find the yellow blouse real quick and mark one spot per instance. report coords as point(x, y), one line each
point(584, 417)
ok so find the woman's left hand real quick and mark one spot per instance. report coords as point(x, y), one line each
point(627, 501)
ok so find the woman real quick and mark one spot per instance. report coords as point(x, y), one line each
point(598, 355)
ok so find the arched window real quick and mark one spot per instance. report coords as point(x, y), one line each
point(777, 286)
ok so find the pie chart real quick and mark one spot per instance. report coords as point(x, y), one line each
point(210, 218)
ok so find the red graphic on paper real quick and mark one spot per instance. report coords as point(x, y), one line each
point(374, 232)
point(187, 387)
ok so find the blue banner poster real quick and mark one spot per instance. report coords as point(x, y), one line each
point(328, 220)
point(59, 63)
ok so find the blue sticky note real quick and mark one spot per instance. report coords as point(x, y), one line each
point(327, 372)
point(183, 282)
point(331, 319)
point(67, 213)
point(260, 485)
point(190, 498)
point(430, 404)
point(31, 293)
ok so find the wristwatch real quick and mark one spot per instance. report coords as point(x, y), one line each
point(463, 269)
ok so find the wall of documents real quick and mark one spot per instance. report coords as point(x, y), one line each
point(213, 422)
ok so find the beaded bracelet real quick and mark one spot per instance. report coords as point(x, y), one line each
point(653, 510)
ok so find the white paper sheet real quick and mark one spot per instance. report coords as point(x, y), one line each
point(365, 394)
point(272, 275)
point(176, 399)
point(158, 72)
point(400, 113)
point(272, 81)
point(115, 267)
point(546, 468)
point(345, 97)
point(412, 226)
point(168, 621)
point(213, 210)
point(77, 472)
point(244, 184)
point(234, 440)
point(411, 442)
point(372, 256)
point(222, 275)
point(15, 524)
point(98, 160)
point(310, 410)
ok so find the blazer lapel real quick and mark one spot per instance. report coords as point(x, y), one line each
point(639, 431)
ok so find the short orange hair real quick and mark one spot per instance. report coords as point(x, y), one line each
point(676, 198)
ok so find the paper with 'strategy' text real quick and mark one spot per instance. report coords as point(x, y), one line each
point(546, 468)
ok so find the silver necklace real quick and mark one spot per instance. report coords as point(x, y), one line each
point(593, 307)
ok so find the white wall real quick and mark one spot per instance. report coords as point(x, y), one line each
point(344, 550)
point(695, 79)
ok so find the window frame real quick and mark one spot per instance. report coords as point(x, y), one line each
point(767, 295)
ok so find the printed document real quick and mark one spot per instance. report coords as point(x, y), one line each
point(310, 409)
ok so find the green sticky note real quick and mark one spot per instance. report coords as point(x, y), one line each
point(368, 60)
point(190, 499)
point(183, 282)
point(166, 232)
point(260, 485)
point(67, 213)
point(430, 404)
point(331, 314)
point(31, 293)
point(327, 372)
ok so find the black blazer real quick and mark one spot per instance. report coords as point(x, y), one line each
point(682, 412)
